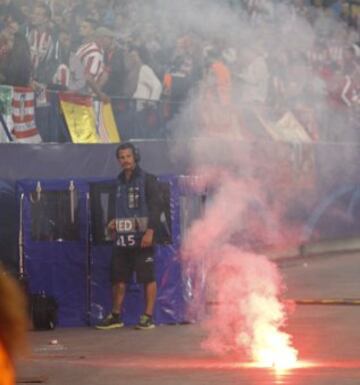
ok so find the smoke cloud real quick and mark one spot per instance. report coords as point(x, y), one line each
point(241, 288)
point(243, 176)
point(219, 133)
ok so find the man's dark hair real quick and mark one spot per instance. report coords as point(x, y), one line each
point(16, 15)
point(92, 22)
point(46, 8)
point(142, 52)
point(126, 145)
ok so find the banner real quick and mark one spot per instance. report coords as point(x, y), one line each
point(286, 129)
point(106, 125)
point(80, 117)
point(23, 116)
point(50, 121)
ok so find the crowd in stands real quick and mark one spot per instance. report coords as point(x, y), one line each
point(108, 48)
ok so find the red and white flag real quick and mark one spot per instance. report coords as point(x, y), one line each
point(23, 116)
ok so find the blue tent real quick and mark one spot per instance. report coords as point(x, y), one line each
point(8, 226)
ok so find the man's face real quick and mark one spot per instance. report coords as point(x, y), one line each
point(12, 27)
point(131, 58)
point(86, 29)
point(126, 159)
point(38, 16)
point(65, 39)
point(107, 42)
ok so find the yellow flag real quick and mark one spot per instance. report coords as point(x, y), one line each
point(106, 125)
point(80, 117)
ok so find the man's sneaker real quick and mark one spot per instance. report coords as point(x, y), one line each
point(110, 322)
point(145, 322)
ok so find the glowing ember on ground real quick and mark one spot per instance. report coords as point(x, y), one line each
point(273, 349)
point(279, 359)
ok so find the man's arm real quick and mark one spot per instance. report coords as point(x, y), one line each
point(95, 87)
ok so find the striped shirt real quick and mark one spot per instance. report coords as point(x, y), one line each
point(41, 46)
point(92, 58)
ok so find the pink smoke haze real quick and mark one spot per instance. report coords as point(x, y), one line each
point(241, 289)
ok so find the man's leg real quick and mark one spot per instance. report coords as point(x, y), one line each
point(118, 292)
point(113, 320)
point(145, 272)
point(150, 297)
point(120, 272)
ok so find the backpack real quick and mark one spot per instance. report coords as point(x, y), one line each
point(43, 311)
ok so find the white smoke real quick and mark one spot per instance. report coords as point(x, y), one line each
point(268, 46)
point(243, 289)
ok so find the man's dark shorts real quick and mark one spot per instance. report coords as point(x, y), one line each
point(126, 261)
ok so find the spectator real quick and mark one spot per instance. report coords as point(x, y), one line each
point(87, 30)
point(182, 73)
point(217, 78)
point(16, 66)
point(41, 42)
point(9, 9)
point(216, 94)
point(114, 61)
point(15, 61)
point(87, 9)
point(343, 91)
point(141, 81)
point(122, 28)
point(90, 58)
point(61, 75)
point(6, 45)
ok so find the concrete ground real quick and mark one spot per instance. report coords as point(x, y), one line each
point(326, 336)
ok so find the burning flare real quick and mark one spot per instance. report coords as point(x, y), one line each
point(273, 349)
point(241, 288)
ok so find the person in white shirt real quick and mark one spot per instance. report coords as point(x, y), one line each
point(147, 85)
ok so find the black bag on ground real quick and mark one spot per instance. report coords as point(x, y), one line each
point(43, 311)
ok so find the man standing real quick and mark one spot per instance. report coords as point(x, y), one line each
point(41, 41)
point(138, 209)
point(87, 64)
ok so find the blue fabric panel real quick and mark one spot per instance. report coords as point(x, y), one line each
point(100, 287)
point(9, 220)
point(61, 269)
point(170, 304)
point(58, 268)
